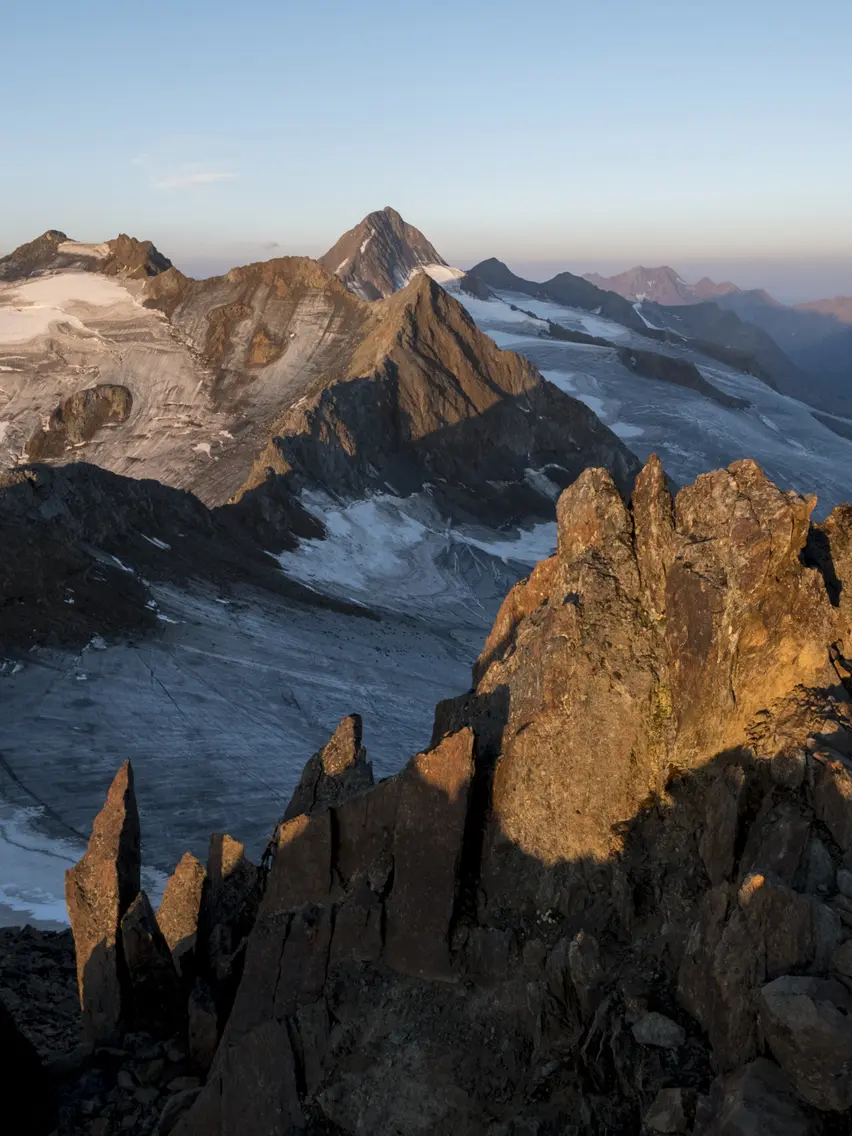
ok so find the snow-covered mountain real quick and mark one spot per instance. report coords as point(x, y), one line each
point(382, 254)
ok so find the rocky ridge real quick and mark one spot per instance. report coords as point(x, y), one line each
point(613, 895)
point(53, 251)
point(660, 286)
point(68, 532)
point(452, 410)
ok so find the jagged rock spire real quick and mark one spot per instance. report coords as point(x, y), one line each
point(98, 891)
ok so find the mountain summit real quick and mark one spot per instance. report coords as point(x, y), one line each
point(380, 255)
point(660, 285)
point(53, 251)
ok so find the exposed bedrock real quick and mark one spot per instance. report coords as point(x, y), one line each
point(615, 895)
point(78, 419)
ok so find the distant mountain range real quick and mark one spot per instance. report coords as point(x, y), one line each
point(815, 336)
point(660, 286)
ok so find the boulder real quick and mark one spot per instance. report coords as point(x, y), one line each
point(657, 1029)
point(179, 908)
point(668, 1112)
point(98, 892)
point(157, 1004)
point(753, 1101)
point(339, 771)
point(807, 1023)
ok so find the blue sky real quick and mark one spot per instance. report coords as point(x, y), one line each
point(550, 134)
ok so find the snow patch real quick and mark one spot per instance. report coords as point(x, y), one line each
point(203, 448)
point(365, 242)
point(34, 307)
point(157, 542)
point(637, 307)
point(80, 248)
point(442, 273)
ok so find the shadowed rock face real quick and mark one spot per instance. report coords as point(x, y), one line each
point(99, 892)
point(380, 255)
point(624, 856)
point(154, 988)
point(67, 532)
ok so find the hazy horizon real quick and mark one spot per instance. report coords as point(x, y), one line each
point(789, 281)
point(578, 135)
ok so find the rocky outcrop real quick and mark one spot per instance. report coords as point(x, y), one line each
point(380, 255)
point(154, 988)
point(611, 894)
point(53, 251)
point(178, 912)
point(613, 857)
point(452, 411)
point(339, 771)
point(79, 418)
point(99, 891)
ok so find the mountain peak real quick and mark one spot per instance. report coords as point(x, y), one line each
point(662, 285)
point(380, 255)
point(54, 251)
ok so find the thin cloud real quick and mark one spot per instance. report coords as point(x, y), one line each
point(184, 176)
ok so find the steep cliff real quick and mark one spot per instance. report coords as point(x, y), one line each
point(614, 894)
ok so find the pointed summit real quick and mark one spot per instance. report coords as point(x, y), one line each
point(380, 255)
